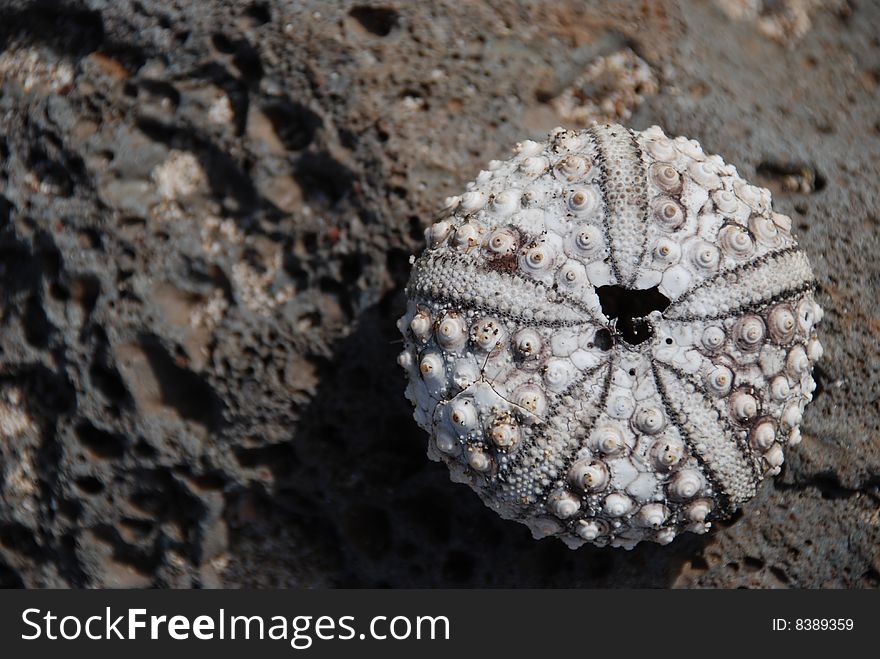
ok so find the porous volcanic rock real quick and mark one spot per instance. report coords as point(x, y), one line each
point(206, 215)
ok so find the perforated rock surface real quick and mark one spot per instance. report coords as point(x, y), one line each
point(206, 215)
point(610, 336)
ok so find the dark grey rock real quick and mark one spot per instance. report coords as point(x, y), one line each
point(197, 378)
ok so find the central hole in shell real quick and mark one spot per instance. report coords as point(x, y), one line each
point(630, 307)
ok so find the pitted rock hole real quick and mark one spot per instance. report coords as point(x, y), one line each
point(630, 308)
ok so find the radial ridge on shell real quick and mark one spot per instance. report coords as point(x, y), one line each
point(610, 337)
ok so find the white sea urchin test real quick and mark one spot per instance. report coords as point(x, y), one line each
point(637, 329)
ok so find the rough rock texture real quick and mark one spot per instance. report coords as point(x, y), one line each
point(206, 211)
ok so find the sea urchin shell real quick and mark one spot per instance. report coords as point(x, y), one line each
point(616, 346)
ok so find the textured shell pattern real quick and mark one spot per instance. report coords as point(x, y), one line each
point(610, 337)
